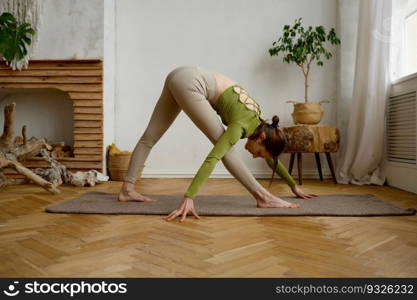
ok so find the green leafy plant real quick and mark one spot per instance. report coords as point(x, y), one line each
point(303, 46)
point(14, 37)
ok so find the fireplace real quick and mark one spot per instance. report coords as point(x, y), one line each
point(82, 80)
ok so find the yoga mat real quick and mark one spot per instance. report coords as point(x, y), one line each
point(232, 205)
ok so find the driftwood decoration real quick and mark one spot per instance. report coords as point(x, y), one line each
point(89, 178)
point(60, 150)
point(58, 173)
point(13, 150)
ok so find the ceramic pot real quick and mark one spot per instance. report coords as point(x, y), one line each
point(307, 112)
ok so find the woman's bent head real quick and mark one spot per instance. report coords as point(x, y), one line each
point(268, 141)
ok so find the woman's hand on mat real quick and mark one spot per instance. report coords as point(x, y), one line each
point(186, 206)
point(300, 194)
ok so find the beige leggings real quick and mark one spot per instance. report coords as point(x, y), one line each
point(191, 89)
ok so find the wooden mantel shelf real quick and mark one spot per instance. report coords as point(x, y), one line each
point(62, 60)
point(82, 80)
point(67, 60)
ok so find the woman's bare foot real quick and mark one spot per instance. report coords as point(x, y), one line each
point(128, 193)
point(267, 200)
point(277, 203)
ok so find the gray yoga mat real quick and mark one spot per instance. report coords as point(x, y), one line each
point(231, 205)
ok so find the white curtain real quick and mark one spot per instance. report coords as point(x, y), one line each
point(367, 29)
point(400, 9)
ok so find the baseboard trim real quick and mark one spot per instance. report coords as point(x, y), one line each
point(307, 174)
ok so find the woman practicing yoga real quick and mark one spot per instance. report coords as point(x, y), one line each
point(203, 95)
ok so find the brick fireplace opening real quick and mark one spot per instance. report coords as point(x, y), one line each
point(82, 81)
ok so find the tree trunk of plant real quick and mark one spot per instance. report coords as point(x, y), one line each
point(305, 73)
point(306, 87)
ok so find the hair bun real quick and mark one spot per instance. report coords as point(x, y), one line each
point(275, 121)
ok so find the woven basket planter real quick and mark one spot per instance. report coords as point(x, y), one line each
point(117, 165)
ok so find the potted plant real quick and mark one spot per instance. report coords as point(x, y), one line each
point(14, 38)
point(302, 47)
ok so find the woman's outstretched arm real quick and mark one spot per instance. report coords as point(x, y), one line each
point(281, 171)
point(225, 142)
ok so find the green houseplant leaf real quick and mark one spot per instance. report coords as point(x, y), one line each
point(302, 46)
point(14, 37)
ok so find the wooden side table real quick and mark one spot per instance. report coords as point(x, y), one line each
point(311, 139)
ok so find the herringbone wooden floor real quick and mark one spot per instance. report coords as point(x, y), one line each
point(37, 244)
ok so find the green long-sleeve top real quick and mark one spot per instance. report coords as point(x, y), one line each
point(242, 115)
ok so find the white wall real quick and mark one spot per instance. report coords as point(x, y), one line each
point(70, 28)
point(109, 75)
point(231, 37)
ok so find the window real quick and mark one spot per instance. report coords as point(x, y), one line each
point(411, 38)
